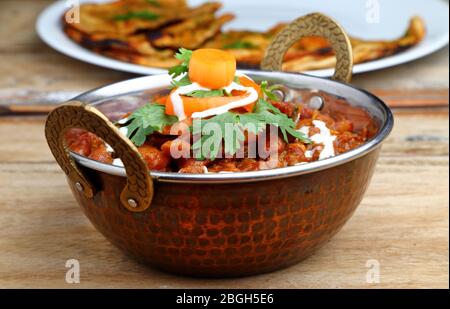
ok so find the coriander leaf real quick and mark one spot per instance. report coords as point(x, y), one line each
point(299, 135)
point(145, 15)
point(177, 71)
point(206, 93)
point(252, 122)
point(272, 115)
point(185, 56)
point(185, 81)
point(222, 121)
point(146, 120)
point(263, 114)
point(240, 45)
point(140, 136)
point(263, 106)
point(267, 91)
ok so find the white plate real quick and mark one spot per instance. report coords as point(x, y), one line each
point(368, 19)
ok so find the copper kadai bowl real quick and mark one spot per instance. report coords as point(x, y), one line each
point(220, 225)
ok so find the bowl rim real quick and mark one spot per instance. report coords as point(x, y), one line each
point(95, 96)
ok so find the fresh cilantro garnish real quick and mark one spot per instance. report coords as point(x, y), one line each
point(146, 15)
point(210, 144)
point(240, 45)
point(185, 81)
point(263, 114)
point(185, 56)
point(178, 70)
point(146, 120)
point(272, 115)
point(206, 93)
point(267, 91)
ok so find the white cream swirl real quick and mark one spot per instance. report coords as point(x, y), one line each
point(324, 137)
point(177, 100)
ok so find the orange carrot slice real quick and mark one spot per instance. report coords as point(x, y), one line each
point(192, 105)
point(212, 68)
point(247, 82)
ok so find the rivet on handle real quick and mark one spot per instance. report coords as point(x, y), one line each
point(79, 186)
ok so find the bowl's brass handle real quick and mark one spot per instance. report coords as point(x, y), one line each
point(314, 24)
point(138, 193)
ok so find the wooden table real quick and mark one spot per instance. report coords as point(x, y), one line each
point(403, 221)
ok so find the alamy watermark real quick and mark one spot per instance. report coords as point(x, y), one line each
point(72, 15)
point(373, 11)
point(252, 140)
point(73, 272)
point(373, 274)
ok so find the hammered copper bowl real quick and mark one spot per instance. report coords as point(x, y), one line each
point(215, 225)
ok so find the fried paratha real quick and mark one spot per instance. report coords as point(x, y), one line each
point(127, 17)
point(192, 25)
point(312, 53)
point(191, 34)
point(363, 50)
point(136, 44)
point(148, 32)
point(158, 61)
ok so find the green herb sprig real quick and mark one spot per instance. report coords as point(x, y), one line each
point(185, 81)
point(263, 114)
point(185, 56)
point(146, 120)
point(268, 91)
point(206, 93)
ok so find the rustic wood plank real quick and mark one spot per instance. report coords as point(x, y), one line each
point(44, 228)
point(413, 97)
point(399, 222)
point(33, 102)
point(415, 133)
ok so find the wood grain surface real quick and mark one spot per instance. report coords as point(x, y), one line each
point(403, 221)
